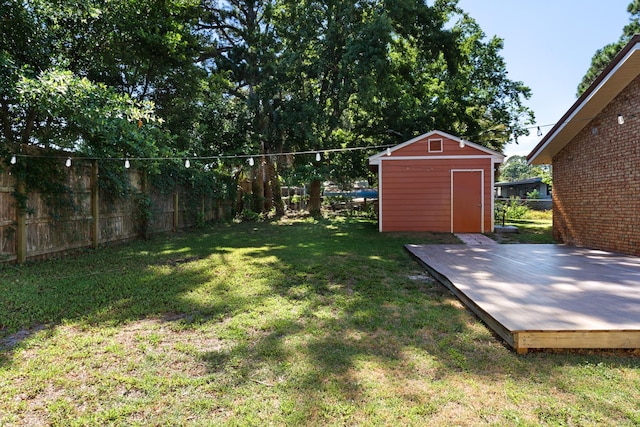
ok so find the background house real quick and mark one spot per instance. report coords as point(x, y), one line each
point(436, 182)
point(595, 152)
point(505, 190)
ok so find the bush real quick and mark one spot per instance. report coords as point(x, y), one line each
point(516, 209)
point(513, 209)
point(535, 194)
point(248, 215)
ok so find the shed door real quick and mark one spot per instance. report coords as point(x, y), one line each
point(466, 201)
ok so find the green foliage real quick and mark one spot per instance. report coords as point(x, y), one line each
point(250, 215)
point(516, 168)
point(535, 194)
point(59, 90)
point(47, 176)
point(204, 78)
point(605, 55)
point(113, 180)
point(90, 118)
point(143, 214)
point(515, 209)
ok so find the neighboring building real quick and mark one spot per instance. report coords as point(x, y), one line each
point(436, 182)
point(506, 190)
point(595, 152)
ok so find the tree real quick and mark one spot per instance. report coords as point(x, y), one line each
point(382, 72)
point(242, 46)
point(340, 73)
point(93, 77)
point(605, 55)
point(252, 76)
point(516, 168)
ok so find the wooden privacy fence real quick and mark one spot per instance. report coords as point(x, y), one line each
point(44, 229)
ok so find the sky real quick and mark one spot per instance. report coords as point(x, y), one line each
point(548, 45)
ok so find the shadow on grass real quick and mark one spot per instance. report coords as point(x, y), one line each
point(315, 308)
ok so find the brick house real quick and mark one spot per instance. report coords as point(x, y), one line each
point(595, 152)
point(436, 182)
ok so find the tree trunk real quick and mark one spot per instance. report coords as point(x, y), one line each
point(257, 188)
point(274, 179)
point(268, 185)
point(314, 198)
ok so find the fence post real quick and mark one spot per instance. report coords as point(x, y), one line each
point(176, 213)
point(95, 205)
point(21, 226)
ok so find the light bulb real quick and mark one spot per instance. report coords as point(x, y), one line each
point(388, 151)
point(13, 160)
point(318, 157)
point(250, 161)
point(187, 164)
point(127, 165)
point(620, 119)
point(461, 144)
point(68, 162)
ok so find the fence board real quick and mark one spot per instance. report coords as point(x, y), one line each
point(52, 229)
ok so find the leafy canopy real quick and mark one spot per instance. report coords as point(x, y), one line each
point(605, 55)
point(198, 78)
point(516, 168)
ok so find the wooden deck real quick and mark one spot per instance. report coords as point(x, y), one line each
point(543, 296)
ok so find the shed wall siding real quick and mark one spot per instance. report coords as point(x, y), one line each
point(416, 194)
point(450, 148)
point(596, 180)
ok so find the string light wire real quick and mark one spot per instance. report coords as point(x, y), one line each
point(187, 160)
point(249, 157)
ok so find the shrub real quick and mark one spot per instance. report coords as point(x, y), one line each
point(513, 209)
point(535, 194)
point(516, 209)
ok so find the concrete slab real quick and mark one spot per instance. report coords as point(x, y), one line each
point(473, 239)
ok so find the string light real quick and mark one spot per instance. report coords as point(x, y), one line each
point(318, 154)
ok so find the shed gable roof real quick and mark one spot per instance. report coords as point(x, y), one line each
point(375, 159)
point(622, 70)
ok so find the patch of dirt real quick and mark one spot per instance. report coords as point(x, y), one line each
point(179, 261)
point(13, 340)
point(423, 277)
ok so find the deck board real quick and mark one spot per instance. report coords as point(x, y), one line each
point(550, 295)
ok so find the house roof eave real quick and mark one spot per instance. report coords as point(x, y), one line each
point(613, 79)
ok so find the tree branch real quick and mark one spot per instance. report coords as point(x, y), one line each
point(6, 123)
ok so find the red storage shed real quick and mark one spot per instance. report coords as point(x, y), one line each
point(436, 182)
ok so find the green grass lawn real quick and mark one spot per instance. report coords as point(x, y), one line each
point(529, 231)
point(296, 322)
point(536, 227)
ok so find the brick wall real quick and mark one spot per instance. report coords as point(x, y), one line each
point(596, 180)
